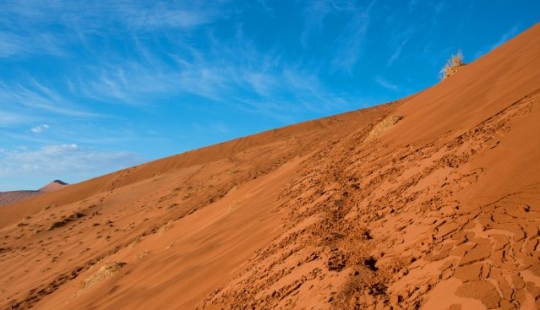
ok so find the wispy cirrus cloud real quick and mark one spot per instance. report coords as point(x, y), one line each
point(21, 45)
point(36, 97)
point(235, 73)
point(218, 69)
point(162, 17)
point(400, 40)
point(8, 119)
point(33, 27)
point(397, 52)
point(345, 22)
point(158, 14)
point(10, 44)
point(349, 43)
point(314, 14)
point(386, 84)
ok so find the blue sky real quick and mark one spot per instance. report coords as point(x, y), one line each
point(90, 87)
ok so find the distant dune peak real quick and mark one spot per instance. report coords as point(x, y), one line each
point(54, 185)
point(16, 196)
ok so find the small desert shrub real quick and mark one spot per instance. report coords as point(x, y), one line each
point(454, 64)
point(383, 126)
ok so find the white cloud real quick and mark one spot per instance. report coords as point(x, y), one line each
point(40, 128)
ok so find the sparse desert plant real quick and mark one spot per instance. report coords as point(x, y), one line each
point(454, 64)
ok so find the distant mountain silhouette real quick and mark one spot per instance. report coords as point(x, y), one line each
point(16, 196)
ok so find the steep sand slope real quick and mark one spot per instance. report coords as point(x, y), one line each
point(441, 210)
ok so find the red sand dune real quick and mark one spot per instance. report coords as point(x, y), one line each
point(53, 186)
point(440, 210)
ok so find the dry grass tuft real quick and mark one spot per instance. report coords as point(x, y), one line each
point(101, 275)
point(383, 126)
point(454, 64)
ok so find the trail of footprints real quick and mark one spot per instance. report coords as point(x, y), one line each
point(391, 227)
